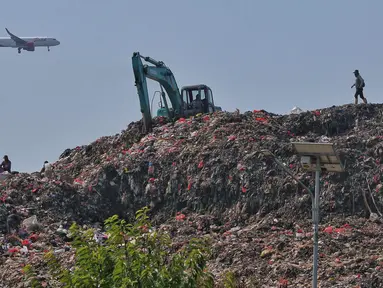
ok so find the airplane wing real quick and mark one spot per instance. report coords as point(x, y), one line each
point(18, 40)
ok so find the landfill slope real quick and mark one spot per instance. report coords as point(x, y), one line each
point(207, 177)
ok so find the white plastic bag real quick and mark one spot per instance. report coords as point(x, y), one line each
point(296, 110)
point(30, 223)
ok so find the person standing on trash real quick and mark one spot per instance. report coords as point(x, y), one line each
point(359, 85)
point(46, 171)
point(46, 166)
point(6, 164)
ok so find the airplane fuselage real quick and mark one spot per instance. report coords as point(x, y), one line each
point(27, 43)
point(37, 41)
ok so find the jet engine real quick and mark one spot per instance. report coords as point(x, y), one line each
point(30, 46)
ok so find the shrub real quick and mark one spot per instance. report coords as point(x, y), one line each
point(133, 255)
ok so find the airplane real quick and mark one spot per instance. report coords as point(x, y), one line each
point(27, 43)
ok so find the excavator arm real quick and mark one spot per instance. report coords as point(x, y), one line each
point(164, 76)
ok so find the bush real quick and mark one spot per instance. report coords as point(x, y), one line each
point(134, 255)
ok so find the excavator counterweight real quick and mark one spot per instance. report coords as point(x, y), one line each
point(190, 101)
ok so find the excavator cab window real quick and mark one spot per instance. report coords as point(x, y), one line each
point(196, 93)
point(185, 99)
point(190, 101)
point(205, 99)
point(188, 97)
point(210, 101)
point(198, 100)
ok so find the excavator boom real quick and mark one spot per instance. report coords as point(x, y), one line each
point(163, 75)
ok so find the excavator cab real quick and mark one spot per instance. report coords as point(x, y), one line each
point(197, 99)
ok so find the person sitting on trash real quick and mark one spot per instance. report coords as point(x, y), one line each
point(6, 164)
point(359, 85)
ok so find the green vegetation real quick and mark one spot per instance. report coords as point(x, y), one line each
point(133, 255)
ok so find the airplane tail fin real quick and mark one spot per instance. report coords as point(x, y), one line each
point(8, 31)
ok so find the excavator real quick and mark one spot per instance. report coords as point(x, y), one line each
point(191, 101)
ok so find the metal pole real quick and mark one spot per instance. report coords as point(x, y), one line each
point(316, 223)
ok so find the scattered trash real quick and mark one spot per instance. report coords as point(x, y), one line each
point(206, 176)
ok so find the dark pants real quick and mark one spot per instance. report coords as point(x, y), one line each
point(359, 92)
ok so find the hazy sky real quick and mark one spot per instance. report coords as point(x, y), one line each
point(269, 54)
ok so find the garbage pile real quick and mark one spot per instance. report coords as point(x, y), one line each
point(211, 169)
point(271, 252)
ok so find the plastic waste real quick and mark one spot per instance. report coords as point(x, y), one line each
point(61, 230)
point(150, 169)
point(30, 223)
point(296, 110)
point(4, 175)
point(24, 250)
point(324, 139)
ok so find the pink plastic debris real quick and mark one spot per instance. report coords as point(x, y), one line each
point(206, 118)
point(328, 229)
point(13, 250)
point(241, 167)
point(261, 119)
point(79, 181)
point(339, 230)
point(180, 216)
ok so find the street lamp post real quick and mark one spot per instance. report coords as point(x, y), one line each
point(314, 157)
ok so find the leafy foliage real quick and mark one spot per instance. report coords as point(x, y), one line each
point(229, 280)
point(31, 275)
point(134, 255)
